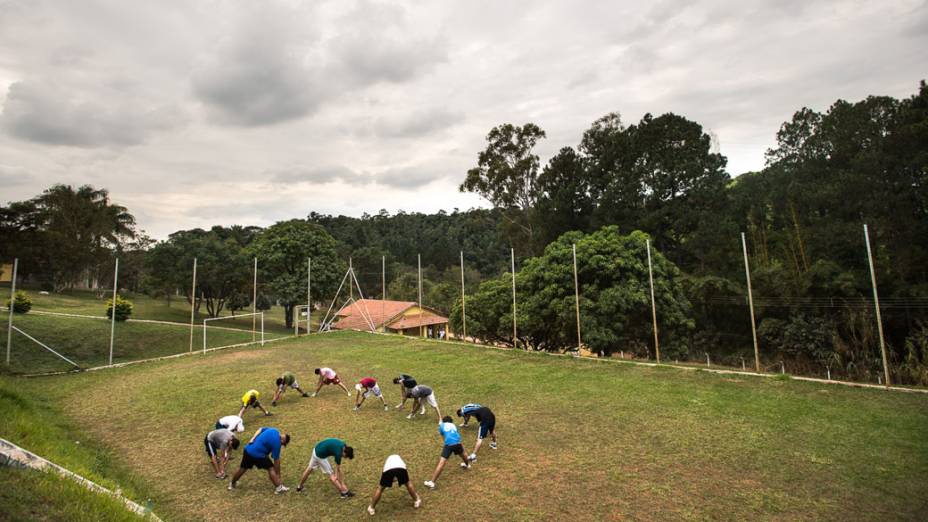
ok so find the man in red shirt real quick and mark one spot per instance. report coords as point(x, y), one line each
point(365, 388)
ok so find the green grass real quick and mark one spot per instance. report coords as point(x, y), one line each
point(579, 439)
point(34, 495)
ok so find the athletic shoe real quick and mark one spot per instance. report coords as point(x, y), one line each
point(429, 484)
point(299, 489)
point(472, 457)
point(231, 485)
point(347, 494)
point(356, 408)
point(349, 394)
point(386, 408)
point(305, 394)
point(370, 511)
point(281, 489)
point(268, 414)
point(409, 416)
point(465, 465)
point(273, 403)
point(221, 477)
point(398, 406)
point(422, 411)
point(492, 445)
point(418, 502)
point(313, 394)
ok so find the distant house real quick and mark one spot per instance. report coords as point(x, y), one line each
point(402, 317)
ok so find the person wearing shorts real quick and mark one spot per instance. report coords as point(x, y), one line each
point(452, 440)
point(487, 425)
point(336, 449)
point(365, 388)
point(218, 443)
point(328, 376)
point(286, 379)
point(263, 452)
point(407, 383)
point(232, 423)
point(394, 470)
point(250, 399)
point(422, 394)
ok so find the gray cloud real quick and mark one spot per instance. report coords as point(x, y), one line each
point(417, 123)
point(261, 74)
point(319, 175)
point(45, 112)
point(410, 177)
point(11, 175)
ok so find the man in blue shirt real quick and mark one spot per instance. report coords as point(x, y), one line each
point(263, 452)
point(452, 440)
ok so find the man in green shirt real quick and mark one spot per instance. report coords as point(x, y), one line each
point(335, 448)
point(286, 379)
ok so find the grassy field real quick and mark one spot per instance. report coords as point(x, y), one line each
point(579, 439)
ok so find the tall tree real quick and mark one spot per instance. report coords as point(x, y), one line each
point(282, 250)
point(506, 175)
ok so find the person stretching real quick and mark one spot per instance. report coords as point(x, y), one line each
point(328, 376)
point(251, 399)
point(259, 452)
point(286, 379)
point(452, 439)
point(420, 395)
point(218, 444)
point(487, 425)
point(335, 448)
point(231, 423)
point(394, 469)
point(407, 383)
point(365, 388)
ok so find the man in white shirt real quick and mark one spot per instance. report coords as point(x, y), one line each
point(394, 469)
point(231, 423)
point(328, 376)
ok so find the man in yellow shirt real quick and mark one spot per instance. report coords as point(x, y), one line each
point(251, 399)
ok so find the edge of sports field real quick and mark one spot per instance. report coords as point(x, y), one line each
point(719, 371)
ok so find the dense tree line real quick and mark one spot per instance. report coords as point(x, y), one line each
point(658, 179)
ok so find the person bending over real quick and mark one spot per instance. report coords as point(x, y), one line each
point(231, 423)
point(394, 469)
point(336, 449)
point(218, 445)
point(487, 422)
point(282, 382)
point(452, 444)
point(251, 399)
point(263, 452)
point(421, 395)
point(328, 376)
point(367, 387)
point(407, 383)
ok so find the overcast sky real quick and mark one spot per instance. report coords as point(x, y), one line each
point(243, 112)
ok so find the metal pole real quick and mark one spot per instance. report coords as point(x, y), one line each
point(204, 336)
point(9, 326)
point(515, 337)
point(262, 328)
point(657, 345)
point(463, 305)
point(254, 301)
point(876, 305)
point(576, 297)
point(309, 295)
point(350, 286)
point(419, 257)
point(193, 301)
point(383, 287)
point(747, 275)
point(113, 313)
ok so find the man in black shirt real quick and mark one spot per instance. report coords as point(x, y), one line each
point(487, 424)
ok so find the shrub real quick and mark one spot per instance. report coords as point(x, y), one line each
point(21, 303)
point(123, 309)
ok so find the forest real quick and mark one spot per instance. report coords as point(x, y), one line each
point(659, 180)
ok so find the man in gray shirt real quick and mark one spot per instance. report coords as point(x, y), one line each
point(422, 394)
point(218, 445)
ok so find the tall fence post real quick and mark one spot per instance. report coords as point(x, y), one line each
point(419, 261)
point(193, 301)
point(9, 326)
point(577, 298)
point(463, 305)
point(254, 301)
point(113, 310)
point(515, 332)
point(383, 288)
point(309, 295)
point(876, 305)
point(747, 275)
point(657, 345)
